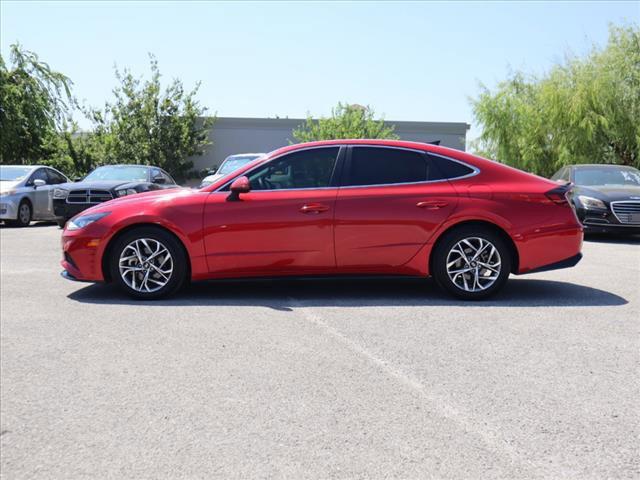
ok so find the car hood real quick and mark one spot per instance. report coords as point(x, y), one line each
point(609, 193)
point(98, 185)
point(141, 198)
point(6, 185)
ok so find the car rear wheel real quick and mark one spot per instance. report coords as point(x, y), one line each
point(25, 214)
point(471, 263)
point(148, 263)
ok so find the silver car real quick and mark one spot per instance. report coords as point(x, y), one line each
point(230, 164)
point(26, 193)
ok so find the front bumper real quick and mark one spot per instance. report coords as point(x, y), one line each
point(604, 221)
point(66, 210)
point(8, 208)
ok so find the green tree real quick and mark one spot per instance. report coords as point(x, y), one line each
point(34, 104)
point(147, 125)
point(584, 110)
point(346, 121)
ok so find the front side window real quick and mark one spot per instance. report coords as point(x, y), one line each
point(40, 174)
point(383, 166)
point(311, 168)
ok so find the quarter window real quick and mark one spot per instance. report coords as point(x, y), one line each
point(383, 166)
point(311, 168)
point(443, 168)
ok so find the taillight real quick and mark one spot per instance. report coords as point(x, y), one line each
point(558, 195)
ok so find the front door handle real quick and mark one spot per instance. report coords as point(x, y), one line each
point(432, 204)
point(314, 208)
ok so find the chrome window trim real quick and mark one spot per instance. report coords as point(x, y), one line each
point(475, 169)
point(248, 172)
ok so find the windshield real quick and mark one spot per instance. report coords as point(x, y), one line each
point(607, 176)
point(13, 174)
point(233, 163)
point(133, 174)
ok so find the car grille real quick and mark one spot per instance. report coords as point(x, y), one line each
point(89, 196)
point(627, 212)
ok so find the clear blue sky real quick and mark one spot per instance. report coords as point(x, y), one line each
point(410, 61)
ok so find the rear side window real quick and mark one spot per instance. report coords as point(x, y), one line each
point(383, 166)
point(443, 168)
point(55, 178)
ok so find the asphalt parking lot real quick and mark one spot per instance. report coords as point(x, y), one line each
point(320, 379)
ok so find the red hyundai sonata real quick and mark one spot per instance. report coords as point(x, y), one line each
point(347, 207)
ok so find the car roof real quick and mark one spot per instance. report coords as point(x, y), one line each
point(27, 166)
point(374, 142)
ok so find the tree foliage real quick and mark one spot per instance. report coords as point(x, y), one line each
point(145, 124)
point(346, 121)
point(585, 110)
point(35, 101)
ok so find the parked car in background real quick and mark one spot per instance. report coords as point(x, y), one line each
point(229, 165)
point(606, 197)
point(342, 207)
point(106, 183)
point(26, 193)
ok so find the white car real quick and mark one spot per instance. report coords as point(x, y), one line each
point(230, 164)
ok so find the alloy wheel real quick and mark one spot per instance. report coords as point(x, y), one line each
point(146, 265)
point(24, 213)
point(473, 264)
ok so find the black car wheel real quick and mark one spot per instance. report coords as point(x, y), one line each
point(148, 263)
point(25, 214)
point(471, 263)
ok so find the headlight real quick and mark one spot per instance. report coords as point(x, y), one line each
point(591, 203)
point(60, 193)
point(6, 193)
point(126, 191)
point(84, 220)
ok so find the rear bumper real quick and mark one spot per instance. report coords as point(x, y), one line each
point(566, 263)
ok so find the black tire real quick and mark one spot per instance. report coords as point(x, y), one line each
point(62, 222)
point(446, 251)
point(25, 214)
point(178, 259)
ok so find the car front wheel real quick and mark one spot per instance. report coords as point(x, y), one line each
point(25, 214)
point(148, 263)
point(472, 263)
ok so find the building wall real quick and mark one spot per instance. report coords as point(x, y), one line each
point(252, 135)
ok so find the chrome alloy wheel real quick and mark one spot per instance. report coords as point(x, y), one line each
point(146, 265)
point(473, 264)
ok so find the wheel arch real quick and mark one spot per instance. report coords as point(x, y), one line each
point(104, 265)
point(515, 256)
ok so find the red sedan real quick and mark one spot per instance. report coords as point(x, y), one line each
point(347, 207)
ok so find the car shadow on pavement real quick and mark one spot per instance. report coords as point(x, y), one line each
point(282, 294)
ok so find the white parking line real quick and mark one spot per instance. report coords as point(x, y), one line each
point(481, 427)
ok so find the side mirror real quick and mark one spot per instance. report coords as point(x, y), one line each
point(159, 180)
point(212, 170)
point(239, 185)
point(38, 182)
point(77, 179)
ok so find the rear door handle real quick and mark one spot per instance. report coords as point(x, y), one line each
point(432, 204)
point(314, 208)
